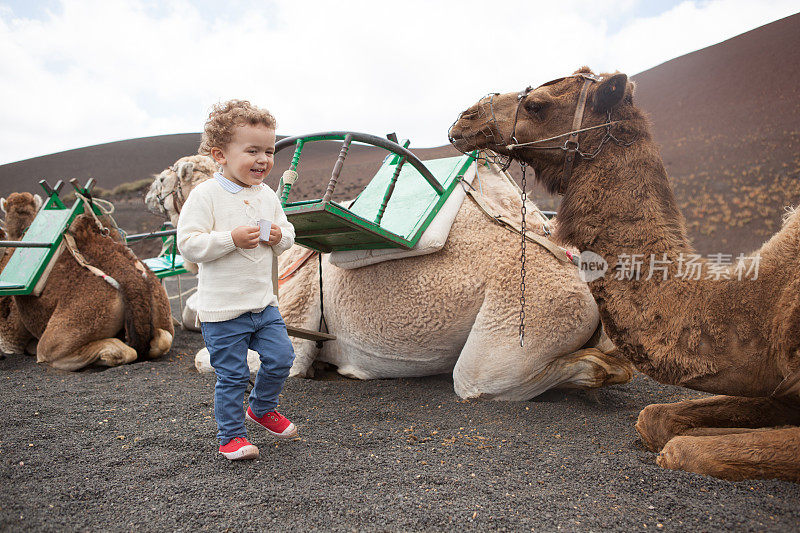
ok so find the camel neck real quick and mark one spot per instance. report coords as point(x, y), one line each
point(622, 203)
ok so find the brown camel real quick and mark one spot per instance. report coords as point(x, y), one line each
point(708, 328)
point(14, 338)
point(79, 318)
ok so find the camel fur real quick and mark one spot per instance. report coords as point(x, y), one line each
point(723, 333)
point(80, 319)
point(14, 338)
point(170, 188)
point(454, 311)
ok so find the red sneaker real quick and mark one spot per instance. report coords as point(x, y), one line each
point(239, 448)
point(275, 423)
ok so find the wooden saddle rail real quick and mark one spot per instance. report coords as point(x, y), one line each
point(347, 137)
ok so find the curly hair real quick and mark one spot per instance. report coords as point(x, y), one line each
point(226, 116)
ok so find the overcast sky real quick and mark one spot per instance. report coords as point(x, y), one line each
point(78, 73)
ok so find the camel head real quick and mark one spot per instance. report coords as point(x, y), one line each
point(532, 126)
point(170, 189)
point(20, 209)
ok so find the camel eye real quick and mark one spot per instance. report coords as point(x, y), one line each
point(536, 108)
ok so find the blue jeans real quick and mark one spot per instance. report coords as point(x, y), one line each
point(227, 343)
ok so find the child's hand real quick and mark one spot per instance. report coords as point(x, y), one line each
point(245, 236)
point(275, 235)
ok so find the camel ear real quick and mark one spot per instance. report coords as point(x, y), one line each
point(609, 93)
point(37, 200)
point(185, 170)
point(3, 205)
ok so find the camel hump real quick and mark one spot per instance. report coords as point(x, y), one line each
point(119, 262)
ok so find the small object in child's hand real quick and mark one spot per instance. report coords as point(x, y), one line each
point(264, 226)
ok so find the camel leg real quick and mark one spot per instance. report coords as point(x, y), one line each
point(106, 352)
point(658, 423)
point(587, 368)
point(14, 337)
point(492, 365)
point(591, 368)
point(305, 354)
point(757, 454)
point(160, 343)
point(161, 318)
point(74, 338)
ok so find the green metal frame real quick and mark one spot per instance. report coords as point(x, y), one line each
point(326, 226)
point(44, 237)
point(169, 262)
point(340, 228)
point(28, 264)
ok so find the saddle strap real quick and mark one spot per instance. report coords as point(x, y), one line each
point(72, 246)
point(292, 270)
point(565, 256)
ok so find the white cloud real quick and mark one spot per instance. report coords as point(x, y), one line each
point(95, 71)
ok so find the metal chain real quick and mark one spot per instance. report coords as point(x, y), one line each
point(524, 196)
point(607, 137)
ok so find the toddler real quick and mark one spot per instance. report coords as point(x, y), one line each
point(231, 226)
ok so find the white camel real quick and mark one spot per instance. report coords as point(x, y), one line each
point(456, 310)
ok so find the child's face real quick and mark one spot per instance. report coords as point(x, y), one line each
point(249, 157)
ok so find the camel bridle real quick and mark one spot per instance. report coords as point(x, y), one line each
point(571, 146)
point(178, 199)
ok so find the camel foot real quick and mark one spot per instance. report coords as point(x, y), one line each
point(305, 355)
point(7, 347)
point(160, 343)
point(301, 371)
point(352, 372)
point(658, 423)
point(113, 352)
point(591, 368)
point(753, 454)
point(202, 361)
point(107, 352)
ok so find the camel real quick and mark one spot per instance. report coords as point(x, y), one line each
point(456, 310)
point(78, 317)
point(728, 334)
point(14, 338)
point(171, 187)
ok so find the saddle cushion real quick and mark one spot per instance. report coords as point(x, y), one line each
point(432, 239)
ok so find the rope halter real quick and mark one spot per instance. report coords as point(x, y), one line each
point(491, 132)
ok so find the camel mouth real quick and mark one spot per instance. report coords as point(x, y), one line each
point(466, 141)
point(466, 138)
point(460, 141)
point(476, 128)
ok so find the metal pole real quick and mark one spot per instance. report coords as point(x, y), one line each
point(153, 234)
point(20, 244)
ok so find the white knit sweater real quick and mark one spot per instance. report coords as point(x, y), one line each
point(232, 280)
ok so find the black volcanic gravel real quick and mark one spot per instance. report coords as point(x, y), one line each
point(133, 448)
